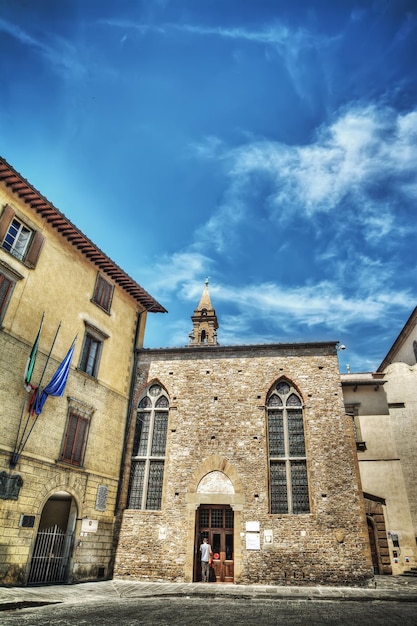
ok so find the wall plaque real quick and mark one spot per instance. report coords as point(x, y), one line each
point(101, 497)
point(10, 485)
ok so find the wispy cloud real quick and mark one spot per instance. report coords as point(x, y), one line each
point(60, 53)
point(292, 46)
point(170, 273)
point(323, 304)
point(270, 312)
point(141, 28)
point(362, 164)
point(274, 35)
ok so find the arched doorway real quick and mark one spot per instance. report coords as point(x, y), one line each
point(54, 541)
point(214, 502)
point(216, 523)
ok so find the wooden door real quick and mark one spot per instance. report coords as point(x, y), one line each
point(216, 523)
point(373, 545)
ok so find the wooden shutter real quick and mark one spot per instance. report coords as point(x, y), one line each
point(103, 293)
point(73, 448)
point(78, 449)
point(34, 251)
point(5, 221)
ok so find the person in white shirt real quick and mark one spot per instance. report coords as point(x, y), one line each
point(205, 552)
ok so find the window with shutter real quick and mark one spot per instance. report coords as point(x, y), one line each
point(103, 293)
point(75, 439)
point(91, 350)
point(16, 237)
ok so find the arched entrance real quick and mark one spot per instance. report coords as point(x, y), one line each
point(54, 541)
point(216, 523)
point(215, 501)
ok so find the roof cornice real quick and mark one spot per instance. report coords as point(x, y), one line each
point(398, 343)
point(328, 347)
point(47, 211)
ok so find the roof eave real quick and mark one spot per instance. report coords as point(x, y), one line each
point(47, 211)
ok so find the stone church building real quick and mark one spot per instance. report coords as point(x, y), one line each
point(249, 446)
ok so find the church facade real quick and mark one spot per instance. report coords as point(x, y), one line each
point(250, 447)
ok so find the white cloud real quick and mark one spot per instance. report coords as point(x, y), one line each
point(363, 164)
point(292, 311)
point(170, 273)
point(269, 312)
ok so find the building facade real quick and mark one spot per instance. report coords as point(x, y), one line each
point(60, 462)
point(250, 447)
point(383, 405)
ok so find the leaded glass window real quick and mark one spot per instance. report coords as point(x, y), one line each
point(147, 471)
point(287, 454)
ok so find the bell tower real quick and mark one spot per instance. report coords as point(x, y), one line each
point(205, 324)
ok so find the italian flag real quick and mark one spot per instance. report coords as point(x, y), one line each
point(31, 360)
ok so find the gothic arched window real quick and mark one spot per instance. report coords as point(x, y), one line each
point(287, 456)
point(148, 459)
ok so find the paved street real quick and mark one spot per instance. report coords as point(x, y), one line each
point(159, 611)
point(386, 601)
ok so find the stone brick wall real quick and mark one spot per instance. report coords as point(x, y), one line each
point(218, 422)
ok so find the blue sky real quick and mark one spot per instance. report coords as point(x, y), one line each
point(269, 145)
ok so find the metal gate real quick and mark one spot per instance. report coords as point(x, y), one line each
point(51, 556)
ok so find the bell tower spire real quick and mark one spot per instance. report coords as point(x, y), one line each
point(205, 323)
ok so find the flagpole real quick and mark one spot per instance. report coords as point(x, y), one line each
point(37, 414)
point(49, 356)
point(23, 440)
point(15, 456)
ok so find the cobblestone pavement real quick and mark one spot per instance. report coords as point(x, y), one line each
point(382, 588)
point(214, 610)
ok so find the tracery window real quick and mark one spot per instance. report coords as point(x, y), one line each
point(148, 460)
point(287, 455)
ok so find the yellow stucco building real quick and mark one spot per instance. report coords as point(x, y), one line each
point(59, 467)
point(383, 405)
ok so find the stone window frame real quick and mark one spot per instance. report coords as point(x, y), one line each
point(91, 350)
point(149, 449)
point(74, 442)
point(286, 467)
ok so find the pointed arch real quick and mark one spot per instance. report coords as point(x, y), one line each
point(149, 447)
point(288, 479)
point(216, 463)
